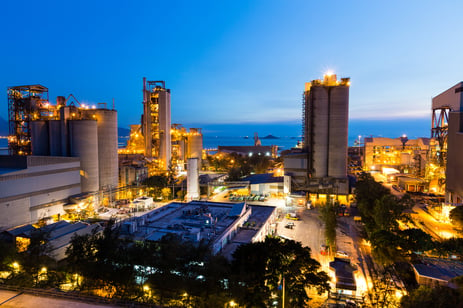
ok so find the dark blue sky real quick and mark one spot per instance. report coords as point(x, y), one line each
point(234, 61)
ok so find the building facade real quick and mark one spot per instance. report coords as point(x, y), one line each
point(36, 187)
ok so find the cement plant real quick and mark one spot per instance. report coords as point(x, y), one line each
point(164, 222)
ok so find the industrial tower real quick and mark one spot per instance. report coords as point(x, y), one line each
point(25, 103)
point(445, 155)
point(156, 122)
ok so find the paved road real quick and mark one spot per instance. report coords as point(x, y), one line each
point(11, 299)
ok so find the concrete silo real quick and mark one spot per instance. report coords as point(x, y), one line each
point(83, 135)
point(195, 145)
point(325, 125)
point(55, 141)
point(337, 148)
point(39, 138)
point(192, 180)
point(107, 147)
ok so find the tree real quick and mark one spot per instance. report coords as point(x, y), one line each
point(329, 218)
point(426, 297)
point(259, 269)
point(415, 240)
point(456, 216)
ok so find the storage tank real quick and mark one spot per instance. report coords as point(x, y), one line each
point(83, 143)
point(107, 147)
point(39, 138)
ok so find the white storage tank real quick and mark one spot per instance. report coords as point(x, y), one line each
point(192, 179)
point(83, 137)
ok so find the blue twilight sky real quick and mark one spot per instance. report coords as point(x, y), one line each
point(240, 61)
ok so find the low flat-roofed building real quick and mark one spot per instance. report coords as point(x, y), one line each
point(434, 272)
point(214, 222)
point(36, 187)
point(265, 183)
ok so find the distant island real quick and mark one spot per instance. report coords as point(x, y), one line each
point(270, 137)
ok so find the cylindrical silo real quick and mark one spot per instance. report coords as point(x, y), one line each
point(192, 183)
point(338, 124)
point(39, 138)
point(195, 145)
point(54, 137)
point(84, 144)
point(319, 130)
point(107, 147)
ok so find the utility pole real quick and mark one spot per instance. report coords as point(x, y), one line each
point(283, 303)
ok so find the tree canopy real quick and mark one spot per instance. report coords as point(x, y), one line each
point(259, 269)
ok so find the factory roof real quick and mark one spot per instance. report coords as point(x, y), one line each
point(23, 231)
point(197, 218)
point(439, 269)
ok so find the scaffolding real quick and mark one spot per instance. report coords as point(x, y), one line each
point(439, 131)
point(25, 103)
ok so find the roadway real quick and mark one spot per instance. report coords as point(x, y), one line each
point(429, 224)
point(14, 299)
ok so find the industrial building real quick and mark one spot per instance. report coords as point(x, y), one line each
point(59, 236)
point(320, 167)
point(401, 155)
point(36, 187)
point(447, 130)
point(216, 223)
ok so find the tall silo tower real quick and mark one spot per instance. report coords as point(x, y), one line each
point(325, 131)
point(107, 146)
point(156, 121)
